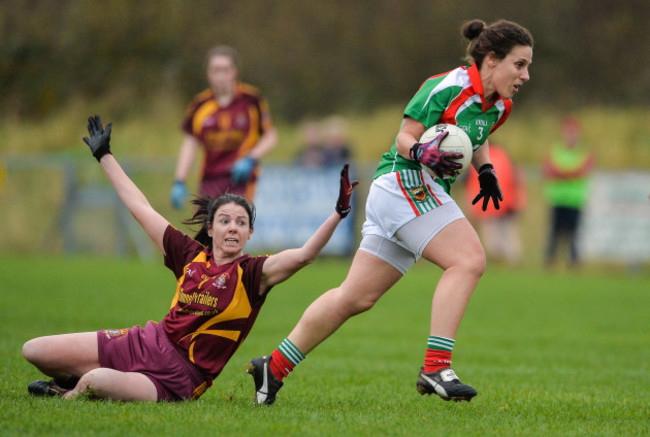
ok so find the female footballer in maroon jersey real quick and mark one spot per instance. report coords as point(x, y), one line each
point(231, 122)
point(219, 293)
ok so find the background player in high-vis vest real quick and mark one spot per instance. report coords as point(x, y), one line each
point(410, 215)
point(566, 169)
point(230, 121)
point(219, 293)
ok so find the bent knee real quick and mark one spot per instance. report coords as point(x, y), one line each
point(477, 262)
point(94, 382)
point(353, 304)
point(474, 261)
point(363, 305)
point(32, 350)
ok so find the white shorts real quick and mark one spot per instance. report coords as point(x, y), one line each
point(407, 209)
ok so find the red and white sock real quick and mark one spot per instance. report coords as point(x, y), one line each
point(284, 359)
point(438, 355)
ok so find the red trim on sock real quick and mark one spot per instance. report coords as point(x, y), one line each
point(280, 366)
point(436, 359)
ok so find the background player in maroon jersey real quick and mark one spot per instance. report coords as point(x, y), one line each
point(219, 294)
point(231, 122)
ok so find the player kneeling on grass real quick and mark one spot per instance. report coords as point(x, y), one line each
point(219, 293)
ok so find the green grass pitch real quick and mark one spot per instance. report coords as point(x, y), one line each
point(550, 354)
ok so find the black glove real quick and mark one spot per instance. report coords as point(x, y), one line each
point(487, 179)
point(345, 192)
point(100, 139)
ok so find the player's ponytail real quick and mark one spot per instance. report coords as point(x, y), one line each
point(200, 217)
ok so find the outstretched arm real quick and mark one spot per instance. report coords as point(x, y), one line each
point(151, 221)
point(284, 264)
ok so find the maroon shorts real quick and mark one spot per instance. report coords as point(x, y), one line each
point(149, 351)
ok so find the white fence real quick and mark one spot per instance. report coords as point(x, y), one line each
point(292, 202)
point(616, 221)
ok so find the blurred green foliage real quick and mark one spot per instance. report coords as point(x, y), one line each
point(308, 57)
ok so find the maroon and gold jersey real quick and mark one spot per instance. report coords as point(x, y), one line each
point(215, 306)
point(227, 133)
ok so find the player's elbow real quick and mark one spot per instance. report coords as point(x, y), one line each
point(306, 259)
point(288, 263)
point(307, 254)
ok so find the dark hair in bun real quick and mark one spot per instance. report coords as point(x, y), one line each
point(472, 29)
point(499, 37)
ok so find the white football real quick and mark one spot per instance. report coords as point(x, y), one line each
point(456, 142)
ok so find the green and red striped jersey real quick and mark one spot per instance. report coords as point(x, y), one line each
point(455, 97)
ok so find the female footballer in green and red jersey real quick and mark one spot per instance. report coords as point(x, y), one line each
point(410, 215)
point(231, 122)
point(219, 293)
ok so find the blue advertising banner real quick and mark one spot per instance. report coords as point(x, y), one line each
point(292, 202)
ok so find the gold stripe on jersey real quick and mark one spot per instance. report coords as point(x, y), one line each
point(264, 111)
point(253, 134)
point(245, 88)
point(265, 114)
point(226, 333)
point(239, 308)
point(202, 112)
point(197, 101)
point(201, 258)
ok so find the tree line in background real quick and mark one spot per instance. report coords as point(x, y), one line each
point(308, 57)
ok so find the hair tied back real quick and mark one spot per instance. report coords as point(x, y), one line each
point(473, 29)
